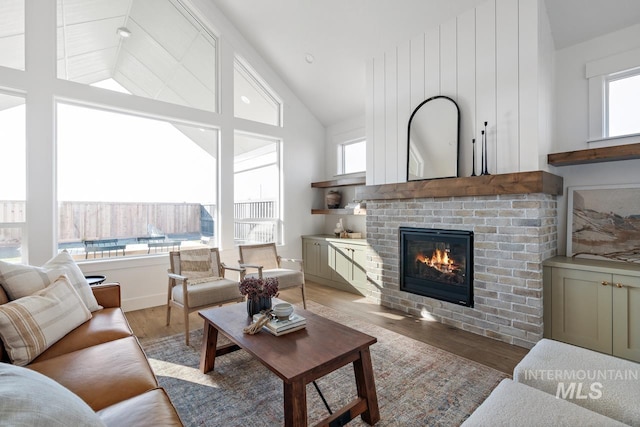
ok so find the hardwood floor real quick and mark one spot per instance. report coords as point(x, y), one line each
point(150, 323)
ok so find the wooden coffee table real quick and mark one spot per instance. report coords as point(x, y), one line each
point(298, 358)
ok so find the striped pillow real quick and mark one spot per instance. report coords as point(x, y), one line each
point(31, 324)
point(20, 280)
point(32, 399)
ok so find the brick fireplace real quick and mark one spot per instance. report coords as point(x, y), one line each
point(513, 234)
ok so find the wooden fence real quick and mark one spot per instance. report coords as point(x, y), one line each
point(78, 221)
point(99, 220)
point(11, 212)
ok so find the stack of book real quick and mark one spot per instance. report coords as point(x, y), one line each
point(281, 327)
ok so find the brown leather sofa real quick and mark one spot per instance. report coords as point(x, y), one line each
point(103, 363)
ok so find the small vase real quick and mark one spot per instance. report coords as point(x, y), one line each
point(333, 199)
point(256, 305)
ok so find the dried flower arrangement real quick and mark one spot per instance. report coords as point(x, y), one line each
point(259, 288)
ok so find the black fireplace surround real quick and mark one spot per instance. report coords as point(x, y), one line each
point(437, 264)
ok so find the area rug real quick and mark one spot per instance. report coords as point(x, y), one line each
point(417, 384)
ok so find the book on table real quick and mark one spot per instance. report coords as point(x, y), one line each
point(281, 327)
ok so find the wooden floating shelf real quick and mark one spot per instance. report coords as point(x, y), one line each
point(342, 182)
point(485, 185)
point(595, 155)
point(339, 211)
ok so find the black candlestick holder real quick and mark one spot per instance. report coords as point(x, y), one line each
point(485, 159)
point(473, 143)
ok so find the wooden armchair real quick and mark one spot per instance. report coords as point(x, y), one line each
point(265, 259)
point(196, 281)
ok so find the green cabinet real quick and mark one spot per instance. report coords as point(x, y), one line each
point(340, 263)
point(315, 254)
point(626, 316)
point(593, 304)
point(349, 263)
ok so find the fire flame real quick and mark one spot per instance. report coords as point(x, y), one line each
point(439, 260)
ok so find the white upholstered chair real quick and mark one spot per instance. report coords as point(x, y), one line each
point(196, 281)
point(265, 259)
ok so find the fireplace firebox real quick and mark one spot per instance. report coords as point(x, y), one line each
point(437, 263)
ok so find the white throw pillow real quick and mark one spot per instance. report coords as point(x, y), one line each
point(28, 398)
point(20, 280)
point(31, 324)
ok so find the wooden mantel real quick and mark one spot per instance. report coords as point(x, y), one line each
point(485, 185)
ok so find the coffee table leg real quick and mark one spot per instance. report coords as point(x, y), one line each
point(367, 387)
point(209, 343)
point(295, 404)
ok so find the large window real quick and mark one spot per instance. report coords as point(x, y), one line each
point(12, 34)
point(252, 99)
point(153, 48)
point(129, 185)
point(623, 104)
point(135, 172)
point(12, 177)
point(256, 189)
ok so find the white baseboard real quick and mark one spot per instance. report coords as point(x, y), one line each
point(146, 301)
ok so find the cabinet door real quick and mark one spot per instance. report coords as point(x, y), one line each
point(324, 268)
point(311, 257)
point(358, 263)
point(626, 317)
point(316, 258)
point(581, 308)
point(341, 256)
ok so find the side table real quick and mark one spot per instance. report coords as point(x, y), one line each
point(95, 280)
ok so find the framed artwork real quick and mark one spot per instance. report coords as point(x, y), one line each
point(604, 222)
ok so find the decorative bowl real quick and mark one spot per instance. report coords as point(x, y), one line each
point(283, 310)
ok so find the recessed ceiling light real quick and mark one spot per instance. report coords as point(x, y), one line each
point(123, 32)
point(309, 58)
point(245, 99)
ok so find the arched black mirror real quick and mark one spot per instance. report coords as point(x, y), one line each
point(434, 128)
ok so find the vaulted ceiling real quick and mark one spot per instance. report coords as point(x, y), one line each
point(167, 55)
point(342, 34)
point(318, 47)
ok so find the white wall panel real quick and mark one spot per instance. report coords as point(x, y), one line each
point(405, 100)
point(486, 83)
point(488, 59)
point(379, 118)
point(391, 115)
point(466, 65)
point(508, 118)
point(448, 59)
point(417, 69)
point(528, 84)
point(370, 116)
point(432, 63)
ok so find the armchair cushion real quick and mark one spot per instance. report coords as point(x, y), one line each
point(31, 324)
point(208, 293)
point(20, 280)
point(286, 278)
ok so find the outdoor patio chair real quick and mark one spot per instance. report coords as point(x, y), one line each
point(265, 259)
point(196, 281)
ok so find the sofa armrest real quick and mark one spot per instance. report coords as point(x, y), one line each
point(107, 294)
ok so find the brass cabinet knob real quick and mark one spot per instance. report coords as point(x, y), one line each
point(605, 283)
point(619, 285)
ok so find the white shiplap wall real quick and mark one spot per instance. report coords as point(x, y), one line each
point(487, 60)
